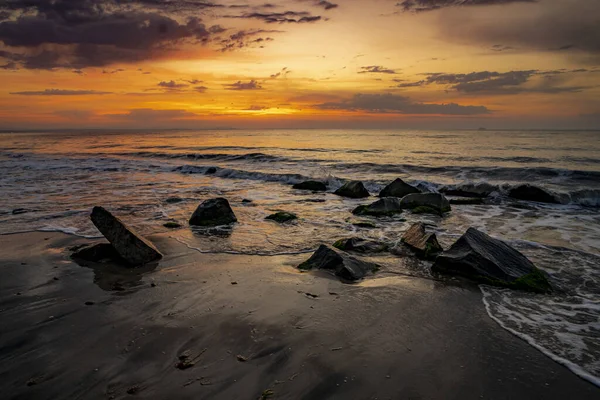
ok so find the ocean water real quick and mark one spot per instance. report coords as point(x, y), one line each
point(51, 180)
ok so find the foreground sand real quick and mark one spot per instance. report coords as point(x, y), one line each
point(392, 337)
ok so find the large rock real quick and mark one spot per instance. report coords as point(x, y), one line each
point(399, 189)
point(344, 265)
point(315, 186)
point(422, 243)
point(353, 189)
point(360, 245)
point(485, 259)
point(434, 203)
point(532, 193)
point(97, 252)
point(383, 207)
point(132, 247)
point(213, 212)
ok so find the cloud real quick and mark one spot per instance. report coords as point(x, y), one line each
point(172, 85)
point(239, 85)
point(327, 5)
point(246, 38)
point(200, 89)
point(431, 5)
point(295, 17)
point(390, 103)
point(60, 92)
point(498, 83)
point(283, 73)
point(376, 69)
point(149, 114)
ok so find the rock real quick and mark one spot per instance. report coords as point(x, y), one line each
point(173, 200)
point(353, 189)
point(399, 189)
point(282, 216)
point(211, 171)
point(315, 186)
point(481, 189)
point(172, 225)
point(532, 193)
point(246, 201)
point(485, 259)
point(97, 252)
point(18, 211)
point(424, 244)
point(363, 224)
point(360, 245)
point(466, 201)
point(386, 206)
point(213, 212)
point(132, 247)
point(344, 265)
point(426, 202)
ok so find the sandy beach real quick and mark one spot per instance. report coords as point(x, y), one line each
point(219, 326)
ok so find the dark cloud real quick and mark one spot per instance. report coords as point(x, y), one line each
point(390, 103)
point(256, 108)
point(491, 82)
point(327, 5)
point(431, 5)
point(60, 92)
point(172, 85)
point(376, 69)
point(239, 85)
point(246, 38)
point(295, 17)
point(200, 89)
point(283, 73)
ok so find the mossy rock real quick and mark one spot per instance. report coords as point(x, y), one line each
point(282, 216)
point(535, 281)
point(172, 225)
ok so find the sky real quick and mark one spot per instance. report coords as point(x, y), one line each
point(425, 64)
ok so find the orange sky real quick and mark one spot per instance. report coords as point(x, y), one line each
point(300, 63)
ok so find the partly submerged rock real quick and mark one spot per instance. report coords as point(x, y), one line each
point(398, 188)
point(96, 252)
point(532, 193)
point(360, 245)
point(424, 244)
point(344, 265)
point(282, 216)
point(353, 189)
point(315, 186)
point(363, 224)
point(383, 207)
point(426, 203)
point(466, 201)
point(485, 259)
point(132, 247)
point(213, 212)
point(211, 171)
point(172, 225)
point(18, 211)
point(480, 189)
point(173, 200)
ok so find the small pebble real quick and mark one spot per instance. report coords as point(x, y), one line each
point(89, 303)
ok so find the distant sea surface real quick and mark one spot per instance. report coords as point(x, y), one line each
point(50, 181)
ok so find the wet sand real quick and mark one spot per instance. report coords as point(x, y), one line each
point(244, 325)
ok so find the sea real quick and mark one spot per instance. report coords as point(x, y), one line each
point(49, 181)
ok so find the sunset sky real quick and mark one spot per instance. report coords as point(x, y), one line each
point(299, 63)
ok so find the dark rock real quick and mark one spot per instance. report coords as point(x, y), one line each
point(97, 252)
point(213, 212)
point(211, 171)
point(132, 247)
point(383, 207)
point(532, 193)
point(466, 201)
point(18, 211)
point(485, 259)
point(481, 189)
point(360, 245)
point(173, 200)
point(344, 265)
point(363, 224)
point(424, 244)
point(399, 189)
point(246, 201)
point(172, 225)
point(89, 303)
point(425, 202)
point(353, 189)
point(315, 186)
point(282, 216)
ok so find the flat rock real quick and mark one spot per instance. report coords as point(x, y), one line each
point(383, 207)
point(422, 243)
point(426, 202)
point(532, 193)
point(315, 186)
point(173, 200)
point(398, 188)
point(341, 263)
point(282, 216)
point(360, 245)
point(213, 212)
point(485, 259)
point(131, 246)
point(353, 189)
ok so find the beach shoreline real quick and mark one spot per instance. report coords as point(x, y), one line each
point(223, 326)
